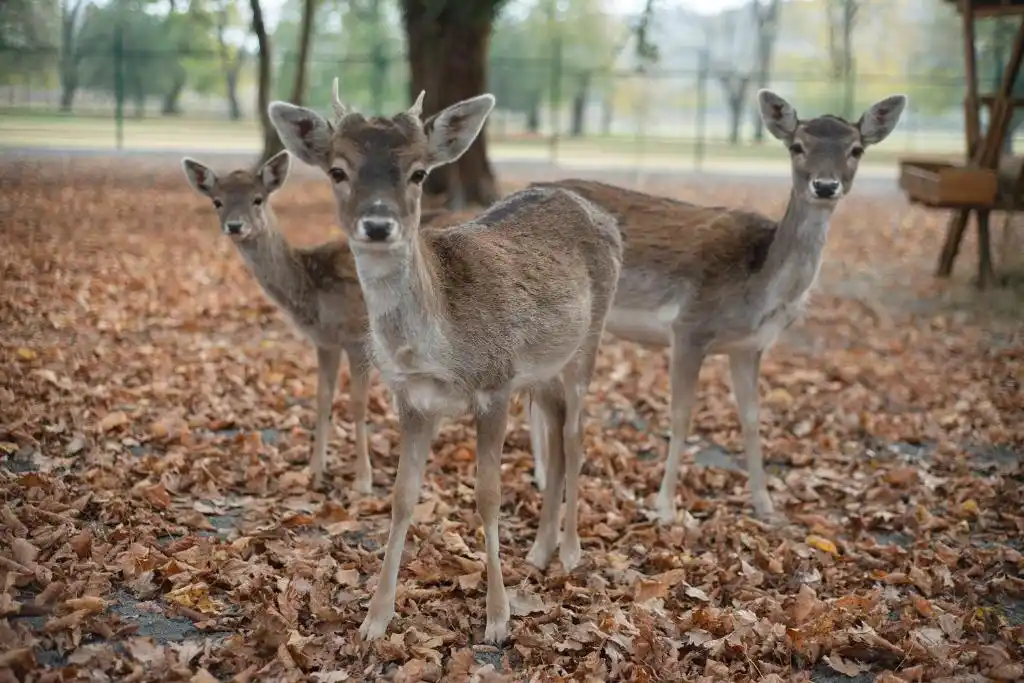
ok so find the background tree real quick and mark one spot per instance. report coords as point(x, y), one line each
point(766, 22)
point(71, 19)
point(447, 46)
point(271, 141)
point(232, 57)
point(842, 18)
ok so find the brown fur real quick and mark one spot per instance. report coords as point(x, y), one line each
point(316, 287)
point(462, 318)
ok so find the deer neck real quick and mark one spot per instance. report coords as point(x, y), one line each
point(402, 290)
point(795, 253)
point(273, 263)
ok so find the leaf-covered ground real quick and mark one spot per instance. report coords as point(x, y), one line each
point(156, 416)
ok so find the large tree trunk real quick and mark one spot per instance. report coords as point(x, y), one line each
point(423, 40)
point(271, 141)
point(305, 39)
point(448, 56)
point(231, 66)
point(234, 108)
point(471, 178)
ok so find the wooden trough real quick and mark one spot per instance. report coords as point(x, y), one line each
point(943, 184)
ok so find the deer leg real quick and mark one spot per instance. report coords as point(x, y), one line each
point(359, 394)
point(415, 431)
point(328, 363)
point(491, 423)
point(745, 367)
point(684, 371)
point(537, 441)
point(550, 401)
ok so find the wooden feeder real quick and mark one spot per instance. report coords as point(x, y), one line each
point(974, 185)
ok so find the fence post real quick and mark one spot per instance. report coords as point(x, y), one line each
point(703, 62)
point(119, 83)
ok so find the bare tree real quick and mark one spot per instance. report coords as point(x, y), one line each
point(230, 63)
point(305, 40)
point(733, 71)
point(766, 19)
point(842, 18)
point(70, 55)
point(271, 141)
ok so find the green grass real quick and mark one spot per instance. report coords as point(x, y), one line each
point(52, 129)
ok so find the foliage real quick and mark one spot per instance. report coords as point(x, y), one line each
point(357, 41)
point(29, 30)
point(157, 523)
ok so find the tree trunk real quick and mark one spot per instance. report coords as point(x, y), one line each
point(735, 86)
point(234, 108)
point(171, 105)
point(533, 115)
point(735, 116)
point(607, 115)
point(579, 106)
point(68, 55)
point(767, 25)
point(447, 51)
point(271, 141)
point(423, 40)
point(470, 179)
point(305, 39)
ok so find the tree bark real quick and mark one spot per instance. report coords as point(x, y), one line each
point(68, 55)
point(305, 39)
point(423, 40)
point(579, 106)
point(171, 104)
point(447, 50)
point(271, 141)
point(767, 30)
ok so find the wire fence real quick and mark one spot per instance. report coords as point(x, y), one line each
point(136, 99)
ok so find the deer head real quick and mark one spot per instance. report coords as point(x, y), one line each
point(239, 197)
point(826, 150)
point(377, 165)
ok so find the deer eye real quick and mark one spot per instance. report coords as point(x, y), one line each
point(338, 175)
point(217, 204)
point(257, 201)
point(857, 152)
point(796, 148)
point(418, 176)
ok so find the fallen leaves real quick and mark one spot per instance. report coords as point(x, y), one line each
point(156, 521)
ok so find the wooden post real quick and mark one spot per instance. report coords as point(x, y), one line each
point(972, 129)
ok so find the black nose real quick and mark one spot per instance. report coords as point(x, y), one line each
point(825, 189)
point(234, 227)
point(377, 230)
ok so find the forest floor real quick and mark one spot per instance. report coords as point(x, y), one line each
point(155, 424)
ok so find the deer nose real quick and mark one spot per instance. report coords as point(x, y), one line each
point(825, 189)
point(233, 227)
point(376, 229)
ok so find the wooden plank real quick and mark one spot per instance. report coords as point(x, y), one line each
point(986, 275)
point(989, 100)
point(951, 247)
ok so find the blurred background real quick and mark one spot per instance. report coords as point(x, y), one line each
point(647, 85)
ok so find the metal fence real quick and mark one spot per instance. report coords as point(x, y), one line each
point(132, 99)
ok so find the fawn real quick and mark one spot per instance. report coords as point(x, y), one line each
point(461, 318)
point(316, 287)
point(707, 280)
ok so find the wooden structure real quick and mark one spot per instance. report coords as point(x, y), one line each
point(975, 185)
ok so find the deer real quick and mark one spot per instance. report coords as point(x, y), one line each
point(317, 288)
point(462, 318)
point(713, 280)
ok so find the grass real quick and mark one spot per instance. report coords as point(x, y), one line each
point(50, 129)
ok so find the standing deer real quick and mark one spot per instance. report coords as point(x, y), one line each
point(708, 280)
point(316, 287)
point(463, 317)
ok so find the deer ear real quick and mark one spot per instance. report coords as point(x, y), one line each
point(304, 133)
point(275, 171)
point(452, 131)
point(778, 115)
point(201, 178)
point(881, 118)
